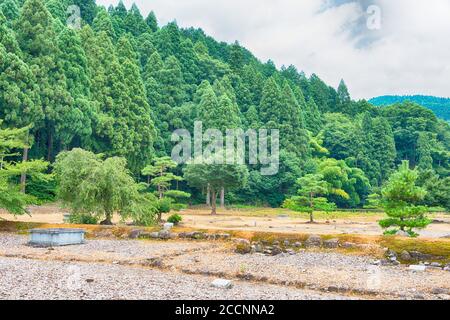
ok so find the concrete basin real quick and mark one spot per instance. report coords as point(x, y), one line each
point(56, 237)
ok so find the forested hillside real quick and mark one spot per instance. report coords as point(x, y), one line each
point(440, 106)
point(122, 83)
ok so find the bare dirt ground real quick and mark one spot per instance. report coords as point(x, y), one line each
point(143, 269)
point(271, 220)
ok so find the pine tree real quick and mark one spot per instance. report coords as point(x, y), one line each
point(401, 196)
point(236, 59)
point(38, 41)
point(134, 22)
point(75, 67)
point(152, 22)
point(7, 37)
point(270, 103)
point(171, 81)
point(88, 9)
point(425, 160)
point(10, 10)
point(313, 117)
point(343, 97)
point(103, 22)
point(294, 137)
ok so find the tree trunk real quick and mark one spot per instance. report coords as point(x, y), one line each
point(213, 202)
point(222, 197)
point(311, 204)
point(208, 196)
point(49, 146)
point(108, 220)
point(23, 176)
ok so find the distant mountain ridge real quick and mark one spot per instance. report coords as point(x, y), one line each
point(440, 106)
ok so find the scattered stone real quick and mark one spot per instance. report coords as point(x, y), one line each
point(134, 234)
point(376, 262)
point(222, 284)
point(313, 241)
point(173, 236)
point(290, 252)
point(297, 244)
point(243, 247)
point(436, 265)
point(259, 248)
point(154, 235)
point(153, 262)
point(421, 256)
point(164, 234)
point(198, 235)
point(440, 291)
point(276, 243)
point(331, 244)
point(402, 233)
point(417, 268)
point(89, 280)
point(286, 243)
point(225, 236)
point(276, 250)
point(349, 245)
point(405, 255)
point(168, 226)
point(393, 259)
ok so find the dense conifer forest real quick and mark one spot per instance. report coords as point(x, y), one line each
point(122, 83)
point(440, 106)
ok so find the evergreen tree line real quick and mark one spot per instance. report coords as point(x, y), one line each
point(121, 84)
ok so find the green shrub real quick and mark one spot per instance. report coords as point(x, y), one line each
point(178, 206)
point(164, 205)
point(175, 219)
point(83, 218)
point(144, 212)
point(43, 191)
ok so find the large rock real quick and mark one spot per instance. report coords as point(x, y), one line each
point(243, 247)
point(154, 235)
point(222, 284)
point(276, 250)
point(405, 256)
point(418, 268)
point(298, 244)
point(164, 234)
point(331, 244)
point(416, 255)
point(168, 226)
point(314, 241)
point(136, 233)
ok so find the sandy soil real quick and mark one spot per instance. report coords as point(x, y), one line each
point(273, 220)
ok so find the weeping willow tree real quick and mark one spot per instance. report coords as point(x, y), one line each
point(89, 184)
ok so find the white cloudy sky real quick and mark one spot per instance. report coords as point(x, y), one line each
point(410, 54)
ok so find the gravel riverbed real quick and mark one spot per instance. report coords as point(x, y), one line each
point(36, 280)
point(132, 269)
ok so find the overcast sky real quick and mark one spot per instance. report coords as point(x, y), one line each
point(408, 54)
